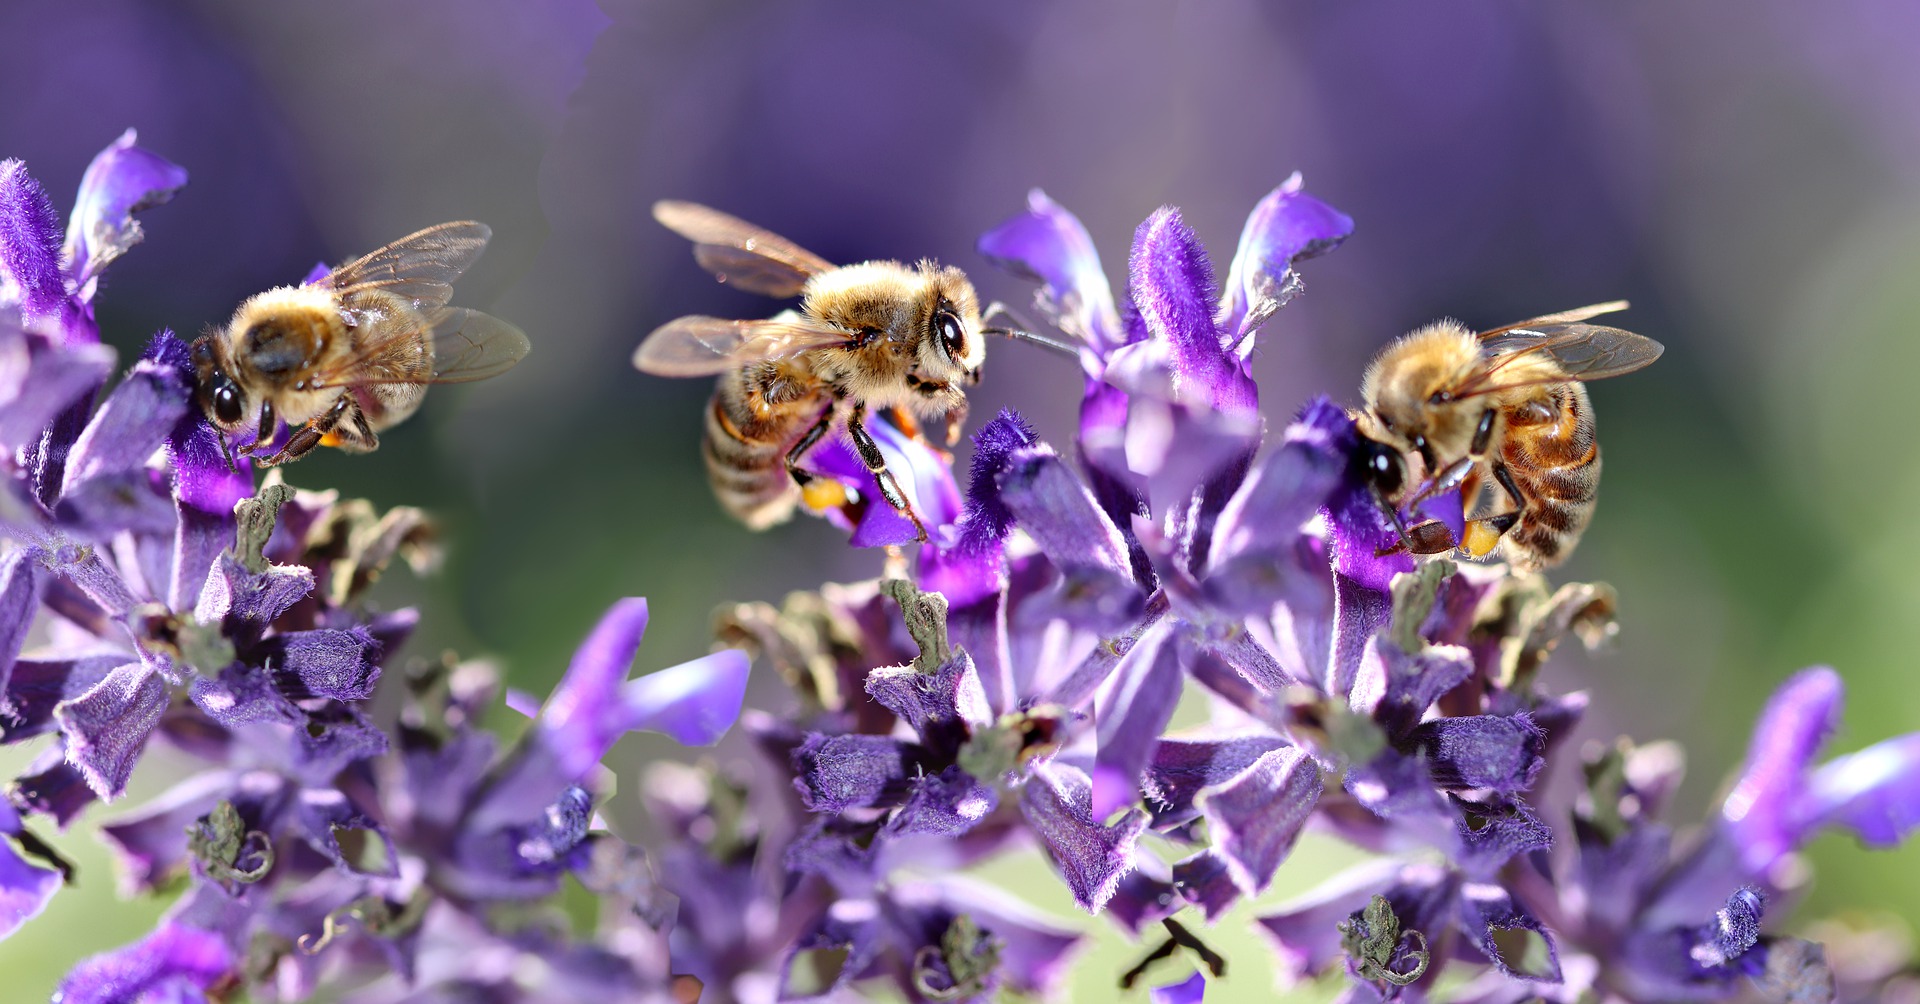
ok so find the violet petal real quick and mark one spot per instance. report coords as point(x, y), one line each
point(1172, 285)
point(41, 381)
point(234, 595)
point(107, 727)
point(151, 843)
point(1255, 818)
point(1206, 881)
point(947, 701)
point(22, 582)
point(1180, 768)
point(1047, 244)
point(1759, 814)
point(1130, 712)
point(1500, 752)
point(1058, 804)
point(325, 662)
point(1287, 226)
point(946, 804)
point(1486, 909)
point(836, 773)
point(1191, 991)
point(1875, 792)
point(25, 888)
point(324, 813)
point(122, 180)
point(1306, 931)
point(202, 479)
point(1493, 833)
point(130, 425)
point(159, 967)
point(30, 242)
point(38, 686)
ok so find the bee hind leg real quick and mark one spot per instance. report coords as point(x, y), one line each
point(877, 465)
point(806, 442)
point(344, 426)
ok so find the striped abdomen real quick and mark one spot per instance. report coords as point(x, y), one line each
point(1554, 459)
point(755, 416)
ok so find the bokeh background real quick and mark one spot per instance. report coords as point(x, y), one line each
point(1747, 173)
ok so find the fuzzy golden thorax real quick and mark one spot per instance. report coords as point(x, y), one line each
point(263, 355)
point(1403, 389)
point(920, 343)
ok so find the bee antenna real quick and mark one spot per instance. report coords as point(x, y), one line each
point(1041, 340)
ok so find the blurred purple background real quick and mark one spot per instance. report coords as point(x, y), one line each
point(1747, 174)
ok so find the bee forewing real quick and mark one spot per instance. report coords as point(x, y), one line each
point(739, 253)
point(1562, 317)
point(703, 346)
point(1584, 352)
point(469, 345)
point(421, 267)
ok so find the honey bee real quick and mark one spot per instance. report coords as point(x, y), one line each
point(876, 336)
point(1506, 407)
point(341, 359)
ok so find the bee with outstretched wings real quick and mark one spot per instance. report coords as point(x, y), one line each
point(341, 359)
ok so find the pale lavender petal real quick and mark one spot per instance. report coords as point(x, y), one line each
point(243, 695)
point(22, 583)
point(1397, 688)
point(25, 888)
point(1047, 244)
point(1130, 712)
point(38, 686)
point(325, 813)
point(325, 662)
point(1486, 910)
point(1058, 804)
point(836, 773)
point(1255, 818)
point(1285, 227)
point(924, 473)
point(1097, 589)
point(1493, 833)
point(1500, 752)
point(237, 596)
point(1206, 881)
point(1260, 528)
point(122, 180)
point(695, 702)
point(40, 381)
point(1760, 814)
point(130, 425)
point(1875, 792)
point(1142, 900)
point(151, 844)
point(1182, 450)
point(101, 506)
point(1306, 931)
point(1192, 991)
point(156, 968)
point(30, 242)
point(1172, 285)
point(331, 739)
point(1180, 768)
point(107, 727)
point(940, 706)
point(1360, 612)
point(946, 804)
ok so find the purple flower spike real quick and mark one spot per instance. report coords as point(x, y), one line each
point(1173, 288)
point(1500, 752)
point(1049, 245)
point(1192, 991)
point(1255, 818)
point(1287, 226)
point(176, 963)
point(1058, 803)
point(122, 180)
point(107, 726)
point(30, 242)
point(1761, 814)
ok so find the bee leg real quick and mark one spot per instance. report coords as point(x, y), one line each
point(877, 465)
point(806, 442)
point(344, 425)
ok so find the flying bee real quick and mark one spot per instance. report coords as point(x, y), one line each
point(1506, 407)
point(876, 336)
point(341, 359)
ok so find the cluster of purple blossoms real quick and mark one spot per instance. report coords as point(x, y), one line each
point(1019, 693)
point(149, 595)
point(349, 828)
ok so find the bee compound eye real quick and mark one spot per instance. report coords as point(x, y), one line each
point(226, 403)
point(1382, 467)
point(953, 337)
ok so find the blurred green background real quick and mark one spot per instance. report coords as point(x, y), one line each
point(1747, 173)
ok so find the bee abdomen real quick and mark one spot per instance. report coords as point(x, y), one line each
point(744, 454)
point(1560, 503)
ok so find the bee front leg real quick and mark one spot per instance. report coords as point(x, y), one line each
point(877, 465)
point(344, 425)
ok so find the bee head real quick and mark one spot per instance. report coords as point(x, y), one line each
point(220, 397)
point(954, 346)
point(1381, 467)
point(1407, 394)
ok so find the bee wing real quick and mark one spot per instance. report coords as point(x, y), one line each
point(739, 253)
point(703, 346)
point(420, 267)
point(1563, 317)
point(466, 345)
point(1584, 352)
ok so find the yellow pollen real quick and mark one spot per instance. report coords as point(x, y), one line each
point(822, 494)
point(1480, 539)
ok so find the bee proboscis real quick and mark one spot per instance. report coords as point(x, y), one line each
point(341, 359)
point(1504, 410)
